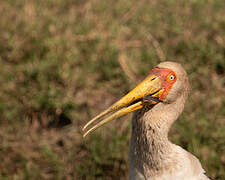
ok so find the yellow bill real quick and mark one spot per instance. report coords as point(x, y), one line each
point(150, 86)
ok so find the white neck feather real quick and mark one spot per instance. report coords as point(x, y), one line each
point(150, 150)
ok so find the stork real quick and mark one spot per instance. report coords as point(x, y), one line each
point(157, 101)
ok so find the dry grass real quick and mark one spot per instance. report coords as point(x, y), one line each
point(64, 61)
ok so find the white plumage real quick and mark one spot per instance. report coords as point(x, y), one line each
point(152, 156)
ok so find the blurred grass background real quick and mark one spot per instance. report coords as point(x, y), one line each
point(64, 61)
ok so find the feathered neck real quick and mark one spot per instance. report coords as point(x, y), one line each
point(150, 149)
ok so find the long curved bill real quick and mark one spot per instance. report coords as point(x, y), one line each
point(150, 86)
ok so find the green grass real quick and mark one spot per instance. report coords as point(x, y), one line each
point(61, 65)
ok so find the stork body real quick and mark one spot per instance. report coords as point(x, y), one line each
point(152, 156)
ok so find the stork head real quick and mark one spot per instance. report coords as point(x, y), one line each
point(174, 81)
point(164, 84)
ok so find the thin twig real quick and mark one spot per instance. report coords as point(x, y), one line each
point(125, 67)
point(131, 12)
point(156, 45)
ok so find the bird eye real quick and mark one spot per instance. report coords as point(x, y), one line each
point(172, 77)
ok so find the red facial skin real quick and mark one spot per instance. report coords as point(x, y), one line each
point(167, 83)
